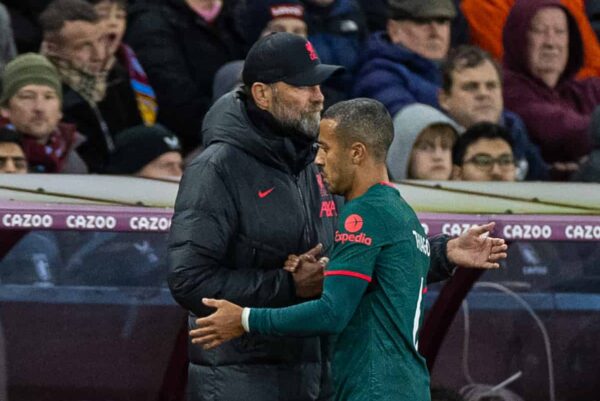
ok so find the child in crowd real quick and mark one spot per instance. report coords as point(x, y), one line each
point(422, 146)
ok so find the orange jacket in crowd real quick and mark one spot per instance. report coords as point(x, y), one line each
point(486, 20)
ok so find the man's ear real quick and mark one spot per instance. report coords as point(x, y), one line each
point(48, 46)
point(358, 152)
point(262, 95)
point(4, 112)
point(443, 100)
point(393, 31)
point(456, 173)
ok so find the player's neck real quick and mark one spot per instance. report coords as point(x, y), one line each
point(365, 178)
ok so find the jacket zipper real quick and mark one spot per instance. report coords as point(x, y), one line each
point(306, 214)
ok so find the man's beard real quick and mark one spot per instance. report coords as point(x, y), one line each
point(307, 123)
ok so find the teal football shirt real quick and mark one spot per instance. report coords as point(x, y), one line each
point(372, 298)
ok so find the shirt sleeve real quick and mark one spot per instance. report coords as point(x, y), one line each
point(328, 315)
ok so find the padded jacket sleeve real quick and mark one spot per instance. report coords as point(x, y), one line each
point(440, 268)
point(203, 229)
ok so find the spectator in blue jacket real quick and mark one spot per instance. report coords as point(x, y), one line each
point(400, 65)
point(471, 93)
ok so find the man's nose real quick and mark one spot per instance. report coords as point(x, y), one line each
point(319, 158)
point(317, 95)
point(435, 28)
point(496, 172)
point(9, 166)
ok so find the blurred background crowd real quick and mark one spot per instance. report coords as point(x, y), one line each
point(479, 90)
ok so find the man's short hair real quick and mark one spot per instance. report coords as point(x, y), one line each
point(363, 120)
point(483, 130)
point(465, 56)
point(59, 12)
point(10, 136)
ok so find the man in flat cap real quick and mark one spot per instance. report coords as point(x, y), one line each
point(401, 64)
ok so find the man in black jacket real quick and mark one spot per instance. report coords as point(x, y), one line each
point(182, 44)
point(248, 201)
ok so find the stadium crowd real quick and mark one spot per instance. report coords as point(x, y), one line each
point(77, 75)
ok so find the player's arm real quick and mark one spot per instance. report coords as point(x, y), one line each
point(328, 315)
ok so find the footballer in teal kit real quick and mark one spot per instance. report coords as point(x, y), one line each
point(381, 243)
point(375, 279)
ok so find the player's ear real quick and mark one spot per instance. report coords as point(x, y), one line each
point(358, 152)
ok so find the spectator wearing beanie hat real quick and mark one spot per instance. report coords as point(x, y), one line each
point(150, 152)
point(257, 19)
point(30, 104)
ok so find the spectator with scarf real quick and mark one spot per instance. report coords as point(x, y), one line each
point(103, 93)
point(31, 106)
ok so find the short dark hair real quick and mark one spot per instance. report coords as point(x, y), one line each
point(479, 131)
point(10, 136)
point(465, 56)
point(363, 120)
point(54, 17)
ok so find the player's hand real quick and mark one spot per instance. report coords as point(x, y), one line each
point(223, 325)
point(475, 249)
point(307, 272)
point(294, 262)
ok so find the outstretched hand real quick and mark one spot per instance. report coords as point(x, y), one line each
point(223, 325)
point(476, 249)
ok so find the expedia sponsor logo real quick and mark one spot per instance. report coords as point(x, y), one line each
point(91, 222)
point(27, 220)
point(455, 228)
point(582, 232)
point(422, 243)
point(526, 231)
point(357, 238)
point(353, 223)
point(152, 223)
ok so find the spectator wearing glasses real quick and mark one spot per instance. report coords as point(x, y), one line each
point(484, 153)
